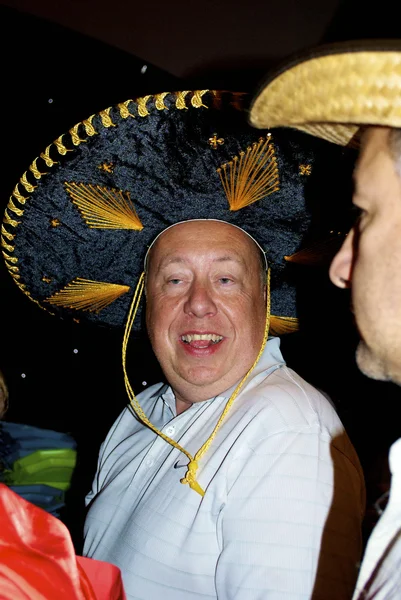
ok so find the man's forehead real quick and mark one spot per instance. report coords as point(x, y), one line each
point(374, 137)
point(216, 255)
point(169, 243)
point(373, 140)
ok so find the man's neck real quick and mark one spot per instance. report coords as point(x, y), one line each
point(181, 406)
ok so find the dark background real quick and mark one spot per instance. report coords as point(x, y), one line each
point(64, 61)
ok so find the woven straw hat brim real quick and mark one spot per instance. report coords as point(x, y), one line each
point(333, 92)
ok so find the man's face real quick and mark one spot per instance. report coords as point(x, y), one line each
point(205, 307)
point(370, 259)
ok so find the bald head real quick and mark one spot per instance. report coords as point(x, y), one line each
point(212, 225)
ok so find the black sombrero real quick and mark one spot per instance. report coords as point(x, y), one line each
point(80, 219)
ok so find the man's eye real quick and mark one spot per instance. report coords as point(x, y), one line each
point(356, 212)
point(174, 281)
point(225, 280)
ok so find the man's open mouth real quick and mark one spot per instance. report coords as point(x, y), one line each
point(201, 340)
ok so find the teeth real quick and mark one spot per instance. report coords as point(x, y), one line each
point(211, 337)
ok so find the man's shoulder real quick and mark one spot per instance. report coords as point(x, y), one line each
point(282, 402)
point(293, 402)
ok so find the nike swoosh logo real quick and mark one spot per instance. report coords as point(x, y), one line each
point(178, 466)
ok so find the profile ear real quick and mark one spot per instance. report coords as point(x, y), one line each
point(340, 271)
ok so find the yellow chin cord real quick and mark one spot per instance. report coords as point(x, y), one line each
point(190, 476)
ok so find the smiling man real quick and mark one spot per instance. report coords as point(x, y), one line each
point(232, 478)
point(272, 514)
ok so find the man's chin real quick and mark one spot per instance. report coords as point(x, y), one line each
point(373, 366)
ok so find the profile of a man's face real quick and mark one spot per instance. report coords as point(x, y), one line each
point(205, 306)
point(370, 258)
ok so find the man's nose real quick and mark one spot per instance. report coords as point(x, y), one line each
point(200, 301)
point(341, 266)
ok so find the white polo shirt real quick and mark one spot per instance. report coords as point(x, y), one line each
point(380, 575)
point(283, 504)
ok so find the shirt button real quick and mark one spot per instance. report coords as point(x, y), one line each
point(170, 430)
point(149, 462)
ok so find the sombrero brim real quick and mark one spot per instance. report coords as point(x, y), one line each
point(332, 91)
point(82, 216)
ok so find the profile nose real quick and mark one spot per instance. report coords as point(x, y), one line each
point(341, 266)
point(200, 302)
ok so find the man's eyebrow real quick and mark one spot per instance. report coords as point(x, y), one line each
point(165, 262)
point(229, 258)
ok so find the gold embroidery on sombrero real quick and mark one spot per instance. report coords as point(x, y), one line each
point(7, 219)
point(60, 146)
point(47, 279)
point(124, 110)
point(320, 252)
point(305, 169)
point(106, 119)
point(251, 176)
point(11, 206)
point(28, 186)
point(11, 259)
point(16, 193)
point(13, 269)
point(104, 208)
point(196, 99)
point(89, 128)
point(86, 294)
point(142, 108)
point(180, 100)
point(215, 141)
point(283, 325)
point(159, 101)
point(34, 169)
point(74, 133)
point(108, 167)
point(7, 235)
point(6, 246)
point(46, 157)
point(22, 287)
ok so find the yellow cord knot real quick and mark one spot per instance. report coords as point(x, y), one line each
point(190, 477)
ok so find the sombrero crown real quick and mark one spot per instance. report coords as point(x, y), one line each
point(81, 217)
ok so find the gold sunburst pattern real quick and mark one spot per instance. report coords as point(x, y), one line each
point(86, 294)
point(252, 175)
point(104, 208)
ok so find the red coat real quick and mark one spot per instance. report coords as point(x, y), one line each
point(38, 562)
